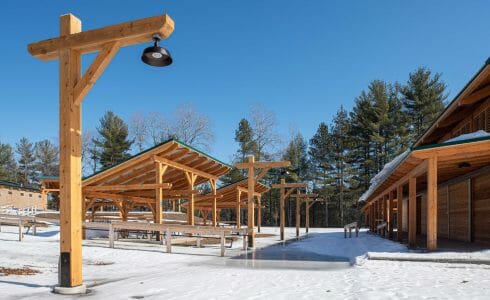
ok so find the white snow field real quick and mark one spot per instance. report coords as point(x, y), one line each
point(297, 270)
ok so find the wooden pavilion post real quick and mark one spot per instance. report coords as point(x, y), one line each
point(250, 198)
point(70, 269)
point(213, 186)
point(412, 211)
point(259, 212)
point(159, 171)
point(298, 215)
point(307, 216)
point(251, 164)
point(432, 203)
point(68, 49)
point(390, 214)
point(238, 209)
point(399, 207)
point(191, 180)
point(282, 217)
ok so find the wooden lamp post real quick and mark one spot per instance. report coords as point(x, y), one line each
point(68, 48)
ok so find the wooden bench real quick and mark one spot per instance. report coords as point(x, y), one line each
point(167, 230)
point(23, 222)
point(349, 228)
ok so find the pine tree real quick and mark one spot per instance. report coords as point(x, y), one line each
point(423, 99)
point(8, 166)
point(296, 153)
point(25, 151)
point(47, 161)
point(113, 142)
point(244, 136)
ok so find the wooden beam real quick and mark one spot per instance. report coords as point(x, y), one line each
point(126, 34)
point(214, 213)
point(390, 214)
point(476, 96)
point(182, 167)
point(262, 174)
point(298, 216)
point(264, 164)
point(238, 211)
point(122, 187)
point(93, 73)
point(259, 213)
point(432, 204)
point(289, 185)
point(120, 197)
point(412, 212)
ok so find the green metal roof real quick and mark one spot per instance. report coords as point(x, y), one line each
point(17, 185)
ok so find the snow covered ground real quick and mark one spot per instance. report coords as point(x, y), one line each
point(296, 270)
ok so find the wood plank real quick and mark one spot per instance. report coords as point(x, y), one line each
point(128, 33)
point(399, 207)
point(282, 217)
point(184, 168)
point(264, 164)
point(123, 187)
point(250, 198)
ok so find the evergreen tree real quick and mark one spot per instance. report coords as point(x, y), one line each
point(113, 142)
point(8, 166)
point(244, 136)
point(423, 99)
point(25, 151)
point(47, 161)
point(296, 153)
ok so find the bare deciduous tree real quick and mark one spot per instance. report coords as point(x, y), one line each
point(139, 130)
point(158, 128)
point(263, 127)
point(193, 128)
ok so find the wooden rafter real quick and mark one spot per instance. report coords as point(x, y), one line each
point(123, 187)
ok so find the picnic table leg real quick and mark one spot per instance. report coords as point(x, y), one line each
point(21, 228)
point(350, 232)
point(244, 242)
point(168, 240)
point(34, 228)
point(111, 236)
point(357, 231)
point(345, 233)
point(198, 241)
point(222, 244)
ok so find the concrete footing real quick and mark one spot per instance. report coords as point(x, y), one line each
point(76, 290)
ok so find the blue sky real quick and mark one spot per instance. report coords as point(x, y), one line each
point(301, 59)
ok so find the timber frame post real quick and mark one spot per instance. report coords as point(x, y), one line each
point(68, 48)
point(282, 199)
point(238, 209)
point(412, 211)
point(251, 165)
point(399, 210)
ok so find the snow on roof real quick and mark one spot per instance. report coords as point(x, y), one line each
point(377, 180)
point(469, 136)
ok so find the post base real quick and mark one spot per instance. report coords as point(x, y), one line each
point(76, 290)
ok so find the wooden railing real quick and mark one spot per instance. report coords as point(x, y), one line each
point(349, 228)
point(22, 222)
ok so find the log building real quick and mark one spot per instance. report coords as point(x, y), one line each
point(440, 188)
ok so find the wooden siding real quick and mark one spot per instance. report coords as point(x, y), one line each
point(481, 208)
point(458, 211)
point(442, 212)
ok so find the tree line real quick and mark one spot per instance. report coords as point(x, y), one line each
point(337, 162)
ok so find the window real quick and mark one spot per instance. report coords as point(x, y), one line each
point(22, 194)
point(10, 192)
point(30, 195)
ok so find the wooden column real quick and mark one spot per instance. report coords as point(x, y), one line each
point(399, 207)
point(282, 217)
point(390, 215)
point(259, 212)
point(307, 216)
point(70, 268)
point(412, 211)
point(298, 216)
point(159, 171)
point(432, 203)
point(213, 186)
point(250, 194)
point(191, 179)
point(238, 209)
point(205, 217)
point(385, 213)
